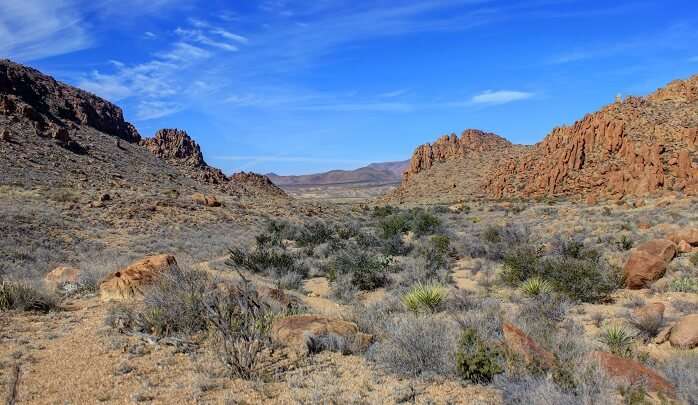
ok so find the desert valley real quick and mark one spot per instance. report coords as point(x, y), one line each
point(478, 271)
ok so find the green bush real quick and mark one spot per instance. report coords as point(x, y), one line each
point(425, 223)
point(441, 243)
point(476, 360)
point(425, 298)
point(367, 271)
point(24, 297)
point(521, 263)
point(580, 280)
point(384, 211)
point(491, 234)
point(264, 260)
point(394, 225)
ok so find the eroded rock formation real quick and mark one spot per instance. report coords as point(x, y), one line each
point(636, 147)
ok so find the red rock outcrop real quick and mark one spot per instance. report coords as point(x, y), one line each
point(130, 282)
point(636, 147)
point(629, 372)
point(528, 349)
point(454, 167)
point(27, 93)
point(175, 146)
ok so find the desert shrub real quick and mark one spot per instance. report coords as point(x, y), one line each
point(373, 318)
point(647, 325)
point(421, 269)
point(582, 280)
point(618, 340)
point(482, 315)
point(491, 234)
point(289, 281)
point(520, 264)
point(395, 246)
point(477, 361)
point(425, 223)
point(384, 211)
point(682, 370)
point(315, 233)
point(368, 240)
point(624, 243)
point(416, 346)
point(574, 249)
point(25, 297)
point(266, 259)
point(333, 343)
point(394, 225)
point(425, 298)
point(694, 259)
point(684, 284)
point(240, 326)
point(686, 307)
point(441, 243)
point(347, 230)
point(367, 271)
point(536, 286)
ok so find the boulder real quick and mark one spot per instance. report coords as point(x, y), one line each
point(643, 268)
point(684, 247)
point(688, 235)
point(130, 282)
point(297, 332)
point(630, 372)
point(60, 276)
point(650, 314)
point(526, 348)
point(663, 248)
point(278, 299)
point(207, 200)
point(684, 334)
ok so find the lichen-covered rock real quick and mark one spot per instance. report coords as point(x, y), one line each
point(526, 348)
point(60, 276)
point(690, 236)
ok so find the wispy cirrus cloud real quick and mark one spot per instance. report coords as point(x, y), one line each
point(36, 29)
point(490, 97)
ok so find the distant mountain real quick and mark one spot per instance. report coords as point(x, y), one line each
point(375, 173)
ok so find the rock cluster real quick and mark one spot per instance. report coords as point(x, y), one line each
point(635, 147)
point(175, 146)
point(26, 93)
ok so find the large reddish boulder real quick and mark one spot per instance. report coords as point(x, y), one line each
point(130, 282)
point(643, 268)
point(297, 331)
point(663, 248)
point(526, 348)
point(630, 372)
point(684, 334)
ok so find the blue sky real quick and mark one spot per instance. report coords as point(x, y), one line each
point(299, 86)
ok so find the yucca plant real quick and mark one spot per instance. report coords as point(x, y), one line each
point(618, 339)
point(424, 297)
point(536, 286)
point(24, 297)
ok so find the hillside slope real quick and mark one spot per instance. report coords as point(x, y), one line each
point(76, 178)
point(453, 168)
point(634, 147)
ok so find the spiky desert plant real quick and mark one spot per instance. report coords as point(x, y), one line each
point(424, 297)
point(618, 339)
point(536, 286)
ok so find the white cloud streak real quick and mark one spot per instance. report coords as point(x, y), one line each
point(489, 97)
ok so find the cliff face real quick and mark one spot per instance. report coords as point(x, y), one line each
point(54, 107)
point(636, 147)
point(453, 167)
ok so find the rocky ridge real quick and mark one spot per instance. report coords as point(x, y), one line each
point(454, 167)
point(634, 147)
point(179, 149)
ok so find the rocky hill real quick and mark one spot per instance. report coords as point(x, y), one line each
point(375, 173)
point(634, 147)
point(453, 167)
point(74, 172)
